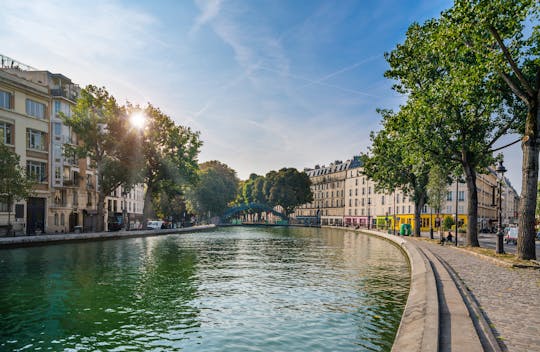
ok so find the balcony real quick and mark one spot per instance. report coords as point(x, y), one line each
point(65, 93)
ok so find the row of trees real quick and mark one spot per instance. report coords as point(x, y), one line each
point(159, 153)
point(219, 189)
point(287, 188)
point(470, 77)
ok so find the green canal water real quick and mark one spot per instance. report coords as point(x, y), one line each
point(232, 289)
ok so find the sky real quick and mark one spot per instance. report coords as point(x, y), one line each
point(267, 83)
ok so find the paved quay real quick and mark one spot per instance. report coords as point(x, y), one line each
point(21, 241)
point(509, 297)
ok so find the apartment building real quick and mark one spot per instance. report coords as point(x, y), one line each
point(363, 206)
point(328, 187)
point(24, 127)
point(31, 105)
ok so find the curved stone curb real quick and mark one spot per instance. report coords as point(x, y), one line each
point(419, 327)
point(23, 241)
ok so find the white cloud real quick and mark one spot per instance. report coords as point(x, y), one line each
point(209, 10)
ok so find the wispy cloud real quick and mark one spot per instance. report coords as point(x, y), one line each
point(209, 10)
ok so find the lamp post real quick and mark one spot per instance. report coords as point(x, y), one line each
point(369, 213)
point(431, 222)
point(457, 217)
point(394, 223)
point(500, 246)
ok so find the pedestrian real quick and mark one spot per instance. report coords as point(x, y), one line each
point(449, 237)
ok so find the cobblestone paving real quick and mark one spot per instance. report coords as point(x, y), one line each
point(510, 297)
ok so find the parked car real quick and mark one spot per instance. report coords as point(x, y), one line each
point(154, 224)
point(511, 235)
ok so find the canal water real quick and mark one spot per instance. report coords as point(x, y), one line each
point(231, 289)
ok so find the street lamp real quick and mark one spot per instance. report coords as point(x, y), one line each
point(500, 246)
point(394, 223)
point(369, 213)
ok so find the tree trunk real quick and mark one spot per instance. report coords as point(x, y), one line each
point(101, 212)
point(418, 205)
point(526, 247)
point(472, 207)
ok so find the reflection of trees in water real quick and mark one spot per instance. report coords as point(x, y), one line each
point(112, 292)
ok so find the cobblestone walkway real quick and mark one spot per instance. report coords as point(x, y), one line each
point(510, 297)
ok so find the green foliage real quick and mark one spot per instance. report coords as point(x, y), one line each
point(107, 139)
point(14, 184)
point(288, 188)
point(169, 158)
point(437, 187)
point(448, 222)
point(216, 189)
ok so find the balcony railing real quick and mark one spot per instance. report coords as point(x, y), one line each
point(66, 93)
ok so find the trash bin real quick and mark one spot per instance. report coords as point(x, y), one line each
point(405, 230)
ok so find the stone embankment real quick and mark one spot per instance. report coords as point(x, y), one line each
point(21, 241)
point(441, 313)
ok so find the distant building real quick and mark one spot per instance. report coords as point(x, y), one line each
point(343, 195)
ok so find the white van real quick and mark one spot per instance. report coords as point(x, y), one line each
point(154, 224)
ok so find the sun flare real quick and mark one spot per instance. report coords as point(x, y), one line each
point(138, 120)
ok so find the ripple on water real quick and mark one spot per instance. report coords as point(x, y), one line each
point(231, 289)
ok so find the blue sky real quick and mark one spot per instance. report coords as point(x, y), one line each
point(268, 83)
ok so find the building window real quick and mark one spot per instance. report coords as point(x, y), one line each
point(5, 100)
point(461, 196)
point(36, 170)
point(4, 208)
point(6, 132)
point(56, 219)
point(35, 139)
point(382, 200)
point(57, 129)
point(460, 209)
point(62, 219)
point(449, 195)
point(449, 209)
point(88, 199)
point(35, 109)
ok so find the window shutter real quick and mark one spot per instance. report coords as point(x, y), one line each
point(11, 101)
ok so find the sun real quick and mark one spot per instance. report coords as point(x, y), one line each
point(138, 120)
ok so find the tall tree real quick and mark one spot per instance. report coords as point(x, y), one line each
point(216, 189)
point(14, 184)
point(107, 140)
point(288, 188)
point(393, 163)
point(504, 35)
point(169, 152)
point(437, 189)
point(453, 112)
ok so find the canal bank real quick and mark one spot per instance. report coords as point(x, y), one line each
point(440, 314)
point(38, 240)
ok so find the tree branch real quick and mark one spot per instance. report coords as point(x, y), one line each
point(514, 87)
point(504, 146)
point(511, 61)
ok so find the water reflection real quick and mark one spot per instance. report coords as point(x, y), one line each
point(230, 289)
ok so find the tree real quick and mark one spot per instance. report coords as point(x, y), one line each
point(14, 184)
point(437, 189)
point(288, 188)
point(454, 114)
point(448, 222)
point(504, 35)
point(169, 154)
point(216, 189)
point(393, 163)
point(107, 140)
